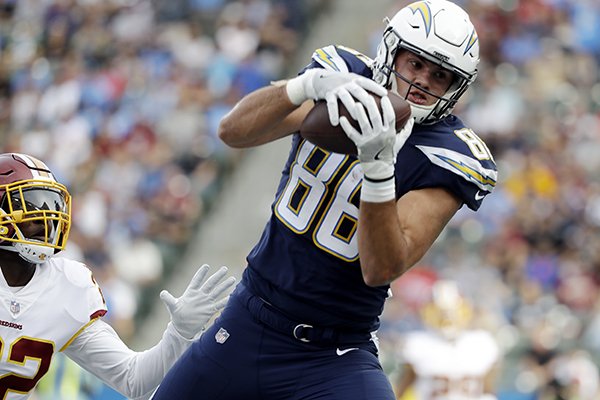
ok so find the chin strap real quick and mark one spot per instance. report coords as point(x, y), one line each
point(32, 253)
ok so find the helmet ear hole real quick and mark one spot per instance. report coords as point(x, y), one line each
point(5, 231)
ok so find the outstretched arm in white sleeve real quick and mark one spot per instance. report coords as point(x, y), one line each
point(99, 350)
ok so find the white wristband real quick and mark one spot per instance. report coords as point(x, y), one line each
point(295, 90)
point(378, 191)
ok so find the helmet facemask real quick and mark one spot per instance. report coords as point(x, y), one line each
point(35, 218)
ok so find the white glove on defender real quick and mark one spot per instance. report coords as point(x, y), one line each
point(378, 145)
point(202, 299)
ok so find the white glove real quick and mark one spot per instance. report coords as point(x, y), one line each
point(321, 84)
point(378, 145)
point(202, 299)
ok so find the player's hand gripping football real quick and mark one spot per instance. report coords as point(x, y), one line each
point(378, 144)
point(321, 84)
point(199, 302)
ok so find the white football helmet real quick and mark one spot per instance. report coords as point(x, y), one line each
point(439, 31)
point(35, 210)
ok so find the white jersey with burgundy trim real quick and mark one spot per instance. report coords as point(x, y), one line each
point(41, 319)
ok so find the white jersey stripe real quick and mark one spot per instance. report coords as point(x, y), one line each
point(38, 168)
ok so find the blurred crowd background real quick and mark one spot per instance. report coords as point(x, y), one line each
point(122, 99)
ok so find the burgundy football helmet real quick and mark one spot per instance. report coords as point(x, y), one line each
point(35, 210)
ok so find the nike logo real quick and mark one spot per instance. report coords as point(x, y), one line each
point(479, 196)
point(378, 154)
point(342, 352)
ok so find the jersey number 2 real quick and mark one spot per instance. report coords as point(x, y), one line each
point(21, 350)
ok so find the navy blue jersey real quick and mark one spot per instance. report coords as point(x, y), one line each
point(307, 263)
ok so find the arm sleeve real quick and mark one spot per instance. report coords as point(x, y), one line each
point(100, 351)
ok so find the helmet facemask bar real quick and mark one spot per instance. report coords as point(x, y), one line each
point(433, 112)
point(43, 204)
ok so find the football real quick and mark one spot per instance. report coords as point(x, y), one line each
point(316, 127)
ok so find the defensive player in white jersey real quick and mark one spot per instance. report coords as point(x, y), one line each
point(54, 304)
point(450, 360)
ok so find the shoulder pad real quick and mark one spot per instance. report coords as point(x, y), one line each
point(87, 300)
point(355, 54)
point(340, 58)
point(76, 272)
point(467, 167)
point(418, 343)
point(460, 151)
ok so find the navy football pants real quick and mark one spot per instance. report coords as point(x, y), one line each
point(240, 358)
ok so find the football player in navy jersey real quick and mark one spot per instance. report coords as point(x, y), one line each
point(302, 322)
